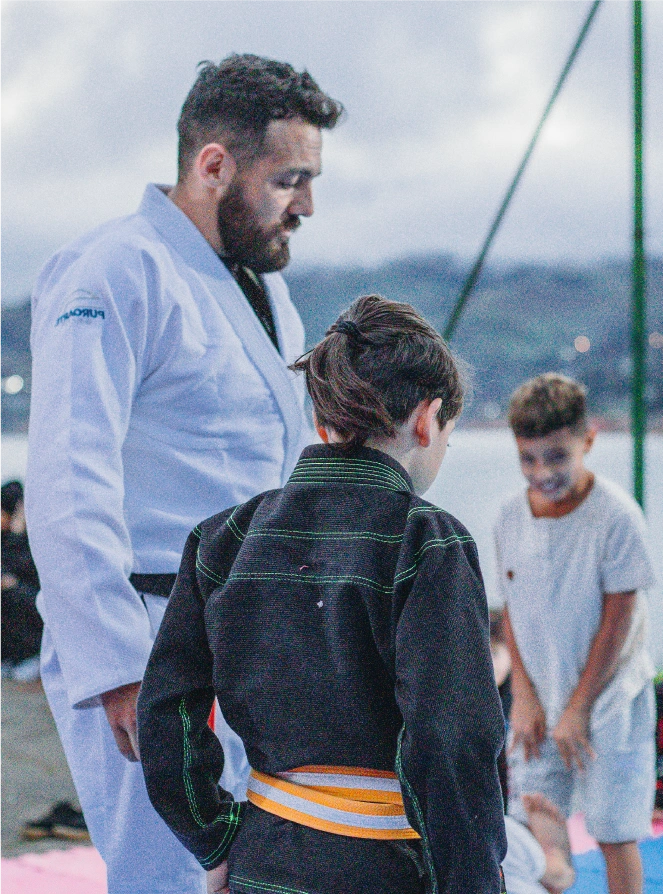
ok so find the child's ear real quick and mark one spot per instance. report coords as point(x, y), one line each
point(590, 435)
point(425, 418)
point(322, 432)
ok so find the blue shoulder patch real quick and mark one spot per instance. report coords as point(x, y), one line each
point(83, 306)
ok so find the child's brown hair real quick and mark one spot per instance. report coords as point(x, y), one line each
point(547, 403)
point(377, 362)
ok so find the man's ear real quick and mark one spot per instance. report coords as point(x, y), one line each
point(215, 167)
point(425, 414)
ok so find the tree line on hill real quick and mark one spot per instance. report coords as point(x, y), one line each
point(520, 321)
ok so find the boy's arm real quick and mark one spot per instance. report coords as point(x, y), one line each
point(453, 728)
point(182, 758)
point(572, 732)
point(528, 719)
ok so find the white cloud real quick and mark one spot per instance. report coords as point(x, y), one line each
point(442, 99)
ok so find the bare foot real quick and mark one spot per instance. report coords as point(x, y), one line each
point(548, 826)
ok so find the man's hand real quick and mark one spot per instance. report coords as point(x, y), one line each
point(528, 721)
point(120, 707)
point(217, 879)
point(572, 737)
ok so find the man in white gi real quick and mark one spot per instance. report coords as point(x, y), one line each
point(161, 394)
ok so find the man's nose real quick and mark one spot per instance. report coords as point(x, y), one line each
point(302, 203)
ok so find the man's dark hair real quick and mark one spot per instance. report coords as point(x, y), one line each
point(234, 101)
point(377, 362)
point(548, 403)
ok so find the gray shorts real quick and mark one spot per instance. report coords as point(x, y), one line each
point(615, 791)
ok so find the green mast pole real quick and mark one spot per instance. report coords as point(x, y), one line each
point(475, 272)
point(638, 310)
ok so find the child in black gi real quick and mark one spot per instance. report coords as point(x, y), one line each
point(342, 624)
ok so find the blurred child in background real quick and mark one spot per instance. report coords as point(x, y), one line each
point(573, 566)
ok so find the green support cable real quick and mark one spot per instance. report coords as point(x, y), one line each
point(470, 282)
point(638, 315)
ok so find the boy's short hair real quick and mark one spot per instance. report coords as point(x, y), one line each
point(547, 403)
point(377, 362)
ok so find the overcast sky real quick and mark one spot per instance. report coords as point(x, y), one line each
point(441, 96)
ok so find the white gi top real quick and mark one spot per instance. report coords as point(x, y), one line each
point(525, 861)
point(157, 400)
point(552, 574)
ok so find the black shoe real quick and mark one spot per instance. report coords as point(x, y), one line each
point(62, 821)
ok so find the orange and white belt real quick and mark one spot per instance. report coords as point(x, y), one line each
point(344, 800)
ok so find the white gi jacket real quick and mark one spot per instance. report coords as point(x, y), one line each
point(157, 400)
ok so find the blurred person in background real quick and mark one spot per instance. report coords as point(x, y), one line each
point(21, 622)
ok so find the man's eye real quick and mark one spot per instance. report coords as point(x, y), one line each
point(288, 183)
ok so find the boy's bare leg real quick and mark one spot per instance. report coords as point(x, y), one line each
point(624, 867)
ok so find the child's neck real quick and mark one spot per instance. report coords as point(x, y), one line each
point(541, 507)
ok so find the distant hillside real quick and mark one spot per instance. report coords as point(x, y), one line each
point(519, 322)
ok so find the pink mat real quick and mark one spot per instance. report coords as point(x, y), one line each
point(79, 870)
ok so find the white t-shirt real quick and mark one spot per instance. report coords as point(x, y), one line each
point(552, 575)
point(525, 862)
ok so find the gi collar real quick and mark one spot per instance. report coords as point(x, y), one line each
point(362, 466)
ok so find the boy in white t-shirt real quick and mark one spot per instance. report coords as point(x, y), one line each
point(572, 565)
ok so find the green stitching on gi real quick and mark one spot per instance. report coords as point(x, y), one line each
point(416, 509)
point(232, 821)
point(363, 465)
point(264, 886)
point(211, 575)
point(417, 809)
point(198, 533)
point(232, 524)
point(187, 759)
point(360, 471)
point(437, 541)
point(312, 578)
point(324, 535)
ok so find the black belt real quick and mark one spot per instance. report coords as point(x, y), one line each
point(154, 584)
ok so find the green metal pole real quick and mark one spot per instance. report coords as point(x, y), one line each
point(471, 280)
point(638, 311)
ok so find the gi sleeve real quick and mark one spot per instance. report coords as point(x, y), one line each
point(181, 757)
point(88, 341)
point(453, 726)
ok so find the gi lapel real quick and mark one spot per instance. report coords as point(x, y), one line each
point(184, 238)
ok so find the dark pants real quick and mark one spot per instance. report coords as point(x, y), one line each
point(273, 854)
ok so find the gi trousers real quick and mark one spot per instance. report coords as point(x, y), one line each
point(142, 855)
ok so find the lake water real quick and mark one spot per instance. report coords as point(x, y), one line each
point(479, 471)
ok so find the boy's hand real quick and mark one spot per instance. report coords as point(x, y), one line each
point(572, 737)
point(217, 879)
point(528, 721)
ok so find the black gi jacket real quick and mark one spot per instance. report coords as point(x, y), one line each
point(340, 621)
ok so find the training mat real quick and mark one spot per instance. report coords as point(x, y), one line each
point(591, 870)
point(78, 870)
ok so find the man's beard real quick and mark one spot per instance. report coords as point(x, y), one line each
point(245, 241)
